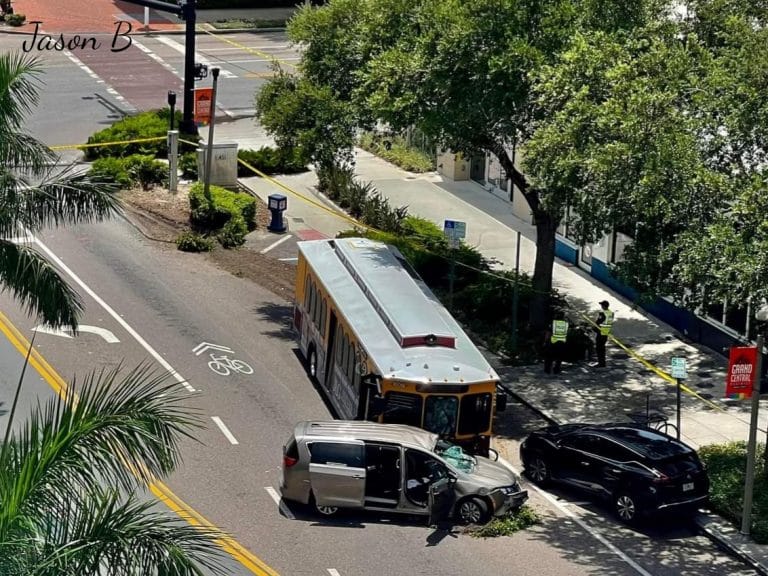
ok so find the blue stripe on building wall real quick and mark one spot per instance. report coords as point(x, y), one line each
point(565, 252)
point(684, 321)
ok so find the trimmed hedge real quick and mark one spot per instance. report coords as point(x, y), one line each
point(193, 242)
point(135, 169)
point(726, 466)
point(233, 214)
point(361, 200)
point(151, 124)
point(271, 161)
point(395, 150)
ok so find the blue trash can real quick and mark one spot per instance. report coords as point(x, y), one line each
point(277, 205)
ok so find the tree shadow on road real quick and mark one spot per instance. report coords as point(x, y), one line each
point(281, 316)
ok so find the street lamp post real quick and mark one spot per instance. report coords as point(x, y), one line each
point(749, 483)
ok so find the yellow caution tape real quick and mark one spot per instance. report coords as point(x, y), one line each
point(116, 143)
point(658, 371)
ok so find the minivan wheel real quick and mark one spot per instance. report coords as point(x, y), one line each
point(473, 511)
point(538, 470)
point(324, 510)
point(312, 363)
point(625, 507)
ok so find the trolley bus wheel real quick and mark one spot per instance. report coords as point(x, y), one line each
point(312, 364)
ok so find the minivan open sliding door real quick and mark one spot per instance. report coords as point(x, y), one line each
point(337, 473)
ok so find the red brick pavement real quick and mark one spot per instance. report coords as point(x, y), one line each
point(95, 16)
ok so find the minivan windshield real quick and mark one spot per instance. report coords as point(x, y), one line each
point(455, 456)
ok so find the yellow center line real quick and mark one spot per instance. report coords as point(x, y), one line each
point(158, 488)
point(249, 50)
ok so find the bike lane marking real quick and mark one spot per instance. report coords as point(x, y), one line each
point(224, 430)
point(136, 336)
point(162, 492)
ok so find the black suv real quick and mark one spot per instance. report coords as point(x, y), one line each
point(640, 471)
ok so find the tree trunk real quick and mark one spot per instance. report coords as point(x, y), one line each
point(546, 225)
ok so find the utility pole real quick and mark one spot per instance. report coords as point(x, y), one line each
point(209, 149)
point(516, 292)
point(749, 484)
point(187, 10)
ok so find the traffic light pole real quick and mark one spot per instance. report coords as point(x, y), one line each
point(187, 11)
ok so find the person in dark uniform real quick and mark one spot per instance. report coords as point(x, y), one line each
point(604, 323)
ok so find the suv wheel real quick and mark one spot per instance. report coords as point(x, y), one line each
point(625, 507)
point(538, 470)
point(473, 511)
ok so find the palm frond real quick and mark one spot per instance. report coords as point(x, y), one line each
point(58, 197)
point(19, 87)
point(37, 286)
point(19, 150)
point(106, 534)
point(123, 430)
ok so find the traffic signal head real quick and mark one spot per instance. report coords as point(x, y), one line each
point(201, 71)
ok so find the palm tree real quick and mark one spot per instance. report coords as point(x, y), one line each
point(70, 477)
point(35, 194)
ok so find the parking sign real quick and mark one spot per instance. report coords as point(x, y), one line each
point(454, 231)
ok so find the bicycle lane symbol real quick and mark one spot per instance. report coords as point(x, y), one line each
point(222, 364)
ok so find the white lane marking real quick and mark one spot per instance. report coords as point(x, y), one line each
point(225, 430)
point(203, 346)
point(288, 259)
point(244, 47)
point(67, 332)
point(143, 343)
point(127, 108)
point(280, 504)
point(198, 57)
point(155, 57)
point(596, 535)
point(333, 572)
point(275, 244)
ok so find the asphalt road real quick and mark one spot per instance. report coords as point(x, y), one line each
point(163, 306)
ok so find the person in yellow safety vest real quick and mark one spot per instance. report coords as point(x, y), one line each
point(604, 323)
point(554, 344)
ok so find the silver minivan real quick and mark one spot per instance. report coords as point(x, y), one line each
point(393, 468)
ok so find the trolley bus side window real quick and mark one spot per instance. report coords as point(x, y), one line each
point(475, 413)
point(403, 408)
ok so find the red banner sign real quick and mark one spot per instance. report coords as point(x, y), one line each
point(741, 372)
point(203, 97)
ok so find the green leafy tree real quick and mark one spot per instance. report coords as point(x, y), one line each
point(462, 72)
point(70, 481)
point(35, 195)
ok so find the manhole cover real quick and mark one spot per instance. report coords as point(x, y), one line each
point(620, 356)
point(704, 374)
point(705, 385)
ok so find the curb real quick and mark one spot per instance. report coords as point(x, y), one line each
point(730, 547)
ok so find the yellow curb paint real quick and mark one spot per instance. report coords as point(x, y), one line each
point(158, 488)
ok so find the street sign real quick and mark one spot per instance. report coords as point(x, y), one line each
point(741, 372)
point(679, 368)
point(454, 231)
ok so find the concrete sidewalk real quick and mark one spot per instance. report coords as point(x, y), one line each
point(637, 361)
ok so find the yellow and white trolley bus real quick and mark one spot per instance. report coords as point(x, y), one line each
point(382, 347)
